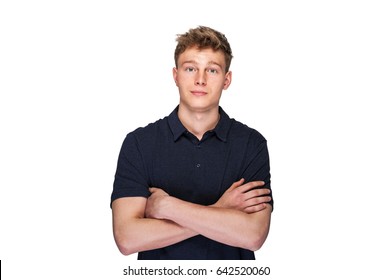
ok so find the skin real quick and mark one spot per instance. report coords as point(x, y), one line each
point(200, 79)
point(241, 211)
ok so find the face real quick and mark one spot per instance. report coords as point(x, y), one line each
point(200, 78)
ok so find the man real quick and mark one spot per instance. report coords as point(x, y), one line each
point(196, 184)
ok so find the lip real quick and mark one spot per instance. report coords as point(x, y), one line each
point(198, 92)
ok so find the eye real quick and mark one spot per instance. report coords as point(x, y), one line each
point(213, 71)
point(189, 69)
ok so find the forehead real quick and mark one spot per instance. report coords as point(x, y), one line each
point(202, 56)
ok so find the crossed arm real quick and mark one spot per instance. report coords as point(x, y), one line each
point(141, 224)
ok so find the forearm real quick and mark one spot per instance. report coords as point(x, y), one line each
point(228, 226)
point(134, 233)
point(142, 234)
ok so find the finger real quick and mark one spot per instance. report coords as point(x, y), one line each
point(157, 191)
point(255, 208)
point(154, 190)
point(255, 193)
point(237, 184)
point(257, 200)
point(251, 185)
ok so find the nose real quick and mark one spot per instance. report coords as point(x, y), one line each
point(200, 79)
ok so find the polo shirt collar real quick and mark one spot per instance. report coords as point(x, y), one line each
point(223, 126)
point(178, 129)
point(175, 124)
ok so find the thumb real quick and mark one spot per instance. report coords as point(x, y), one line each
point(152, 190)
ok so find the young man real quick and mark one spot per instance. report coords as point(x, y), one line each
point(196, 184)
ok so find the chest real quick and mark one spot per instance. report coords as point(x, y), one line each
point(195, 172)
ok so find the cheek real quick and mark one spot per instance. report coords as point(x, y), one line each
point(183, 80)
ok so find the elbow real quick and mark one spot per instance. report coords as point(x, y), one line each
point(257, 234)
point(257, 239)
point(124, 245)
point(126, 251)
point(255, 243)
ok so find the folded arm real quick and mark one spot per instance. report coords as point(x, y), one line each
point(134, 233)
point(140, 224)
point(226, 225)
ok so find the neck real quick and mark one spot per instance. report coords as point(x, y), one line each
point(198, 122)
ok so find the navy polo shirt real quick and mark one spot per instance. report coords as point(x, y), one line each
point(165, 155)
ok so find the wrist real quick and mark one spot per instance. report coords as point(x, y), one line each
point(166, 206)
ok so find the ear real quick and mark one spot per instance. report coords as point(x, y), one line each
point(174, 75)
point(227, 80)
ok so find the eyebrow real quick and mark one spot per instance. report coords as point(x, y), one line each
point(209, 63)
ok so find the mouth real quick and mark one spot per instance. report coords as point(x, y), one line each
point(198, 92)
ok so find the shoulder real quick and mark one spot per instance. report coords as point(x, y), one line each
point(240, 129)
point(149, 131)
point(143, 138)
point(237, 131)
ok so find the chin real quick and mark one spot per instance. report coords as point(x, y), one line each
point(203, 107)
point(196, 104)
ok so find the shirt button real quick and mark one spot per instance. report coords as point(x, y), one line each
point(198, 165)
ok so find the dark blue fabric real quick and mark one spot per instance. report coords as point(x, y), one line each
point(165, 155)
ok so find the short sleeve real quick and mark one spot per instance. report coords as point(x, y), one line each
point(257, 166)
point(130, 178)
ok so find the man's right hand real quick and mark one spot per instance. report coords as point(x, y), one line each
point(245, 197)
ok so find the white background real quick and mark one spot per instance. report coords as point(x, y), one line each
point(311, 76)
